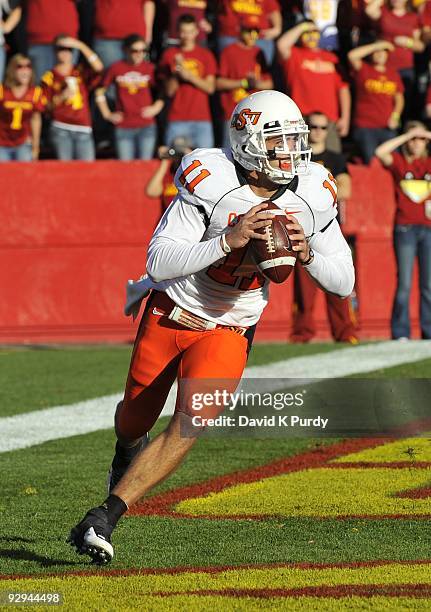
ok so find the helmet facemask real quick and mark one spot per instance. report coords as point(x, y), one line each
point(291, 150)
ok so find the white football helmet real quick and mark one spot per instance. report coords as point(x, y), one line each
point(267, 114)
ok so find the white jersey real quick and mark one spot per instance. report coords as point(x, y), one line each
point(185, 257)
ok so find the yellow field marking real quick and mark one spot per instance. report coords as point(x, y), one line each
point(414, 449)
point(143, 591)
point(319, 492)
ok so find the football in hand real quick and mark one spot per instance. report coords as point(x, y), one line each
point(274, 257)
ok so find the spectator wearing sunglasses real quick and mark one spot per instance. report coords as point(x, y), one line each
point(45, 20)
point(379, 96)
point(21, 105)
point(340, 313)
point(411, 171)
point(314, 79)
point(11, 10)
point(67, 87)
point(116, 19)
point(135, 109)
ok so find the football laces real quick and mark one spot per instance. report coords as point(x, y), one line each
point(270, 242)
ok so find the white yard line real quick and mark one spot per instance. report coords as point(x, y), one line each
point(32, 428)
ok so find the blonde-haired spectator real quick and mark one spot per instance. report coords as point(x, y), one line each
point(21, 104)
point(411, 171)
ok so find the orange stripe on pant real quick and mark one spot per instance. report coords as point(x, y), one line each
point(164, 350)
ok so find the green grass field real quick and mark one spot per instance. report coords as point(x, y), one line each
point(205, 558)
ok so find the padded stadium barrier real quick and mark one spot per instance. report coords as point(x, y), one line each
point(74, 232)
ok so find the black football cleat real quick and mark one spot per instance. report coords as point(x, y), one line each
point(122, 459)
point(92, 536)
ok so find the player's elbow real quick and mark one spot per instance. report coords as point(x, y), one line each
point(154, 269)
point(347, 283)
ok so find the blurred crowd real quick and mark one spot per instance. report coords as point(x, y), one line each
point(119, 78)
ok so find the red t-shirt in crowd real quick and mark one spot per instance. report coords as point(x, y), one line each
point(236, 62)
point(391, 26)
point(189, 102)
point(314, 80)
point(425, 16)
point(412, 193)
point(119, 18)
point(375, 96)
point(232, 11)
point(46, 19)
point(133, 91)
point(176, 8)
point(75, 111)
point(16, 113)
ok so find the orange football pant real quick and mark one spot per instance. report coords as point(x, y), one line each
point(165, 350)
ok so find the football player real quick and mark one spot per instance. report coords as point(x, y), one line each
point(206, 294)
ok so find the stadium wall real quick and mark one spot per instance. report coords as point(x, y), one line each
point(73, 233)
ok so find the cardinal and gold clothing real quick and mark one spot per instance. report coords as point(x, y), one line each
point(189, 102)
point(237, 62)
point(375, 96)
point(16, 113)
point(313, 79)
point(75, 111)
point(119, 18)
point(232, 12)
point(133, 91)
point(412, 190)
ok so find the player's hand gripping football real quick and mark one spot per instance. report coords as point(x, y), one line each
point(301, 244)
point(245, 229)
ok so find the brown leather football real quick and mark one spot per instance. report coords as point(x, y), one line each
point(274, 256)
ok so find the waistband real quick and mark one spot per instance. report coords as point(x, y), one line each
point(162, 305)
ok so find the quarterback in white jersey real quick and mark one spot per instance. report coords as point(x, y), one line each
point(224, 288)
point(206, 293)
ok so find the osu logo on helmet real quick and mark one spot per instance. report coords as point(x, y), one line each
point(239, 120)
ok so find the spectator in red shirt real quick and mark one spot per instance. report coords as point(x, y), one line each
point(398, 23)
point(265, 13)
point(175, 8)
point(133, 77)
point(67, 88)
point(21, 105)
point(314, 80)
point(242, 71)
point(12, 10)
point(116, 19)
point(47, 19)
point(411, 171)
point(379, 96)
point(188, 72)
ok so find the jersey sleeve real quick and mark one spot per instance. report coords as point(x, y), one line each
point(332, 266)
point(39, 100)
point(178, 247)
point(322, 196)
